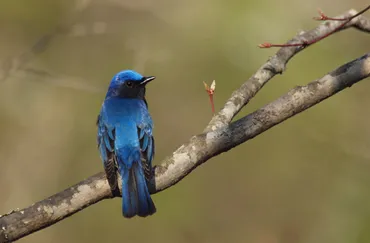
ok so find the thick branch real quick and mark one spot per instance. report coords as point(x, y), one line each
point(199, 149)
point(202, 147)
point(19, 223)
point(276, 65)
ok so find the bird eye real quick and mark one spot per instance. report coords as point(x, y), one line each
point(129, 84)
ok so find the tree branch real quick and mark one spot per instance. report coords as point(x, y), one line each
point(219, 138)
point(276, 65)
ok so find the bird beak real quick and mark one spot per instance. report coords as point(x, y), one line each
point(147, 80)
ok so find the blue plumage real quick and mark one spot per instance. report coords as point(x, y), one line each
point(125, 141)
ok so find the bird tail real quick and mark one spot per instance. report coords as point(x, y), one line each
point(136, 199)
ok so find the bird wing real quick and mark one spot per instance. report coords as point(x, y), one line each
point(147, 148)
point(105, 139)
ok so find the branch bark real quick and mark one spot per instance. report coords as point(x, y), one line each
point(219, 136)
point(276, 65)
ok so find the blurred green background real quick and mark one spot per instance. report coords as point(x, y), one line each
point(306, 180)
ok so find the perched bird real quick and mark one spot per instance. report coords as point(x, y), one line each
point(126, 143)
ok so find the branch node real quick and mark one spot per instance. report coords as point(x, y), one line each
point(325, 17)
point(265, 45)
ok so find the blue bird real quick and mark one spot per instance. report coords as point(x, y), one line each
point(126, 143)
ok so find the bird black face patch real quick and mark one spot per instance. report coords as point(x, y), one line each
point(131, 89)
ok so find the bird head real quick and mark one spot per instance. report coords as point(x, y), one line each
point(129, 84)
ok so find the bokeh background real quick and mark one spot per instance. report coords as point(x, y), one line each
point(306, 180)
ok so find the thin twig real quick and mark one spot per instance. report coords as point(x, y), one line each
point(313, 41)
